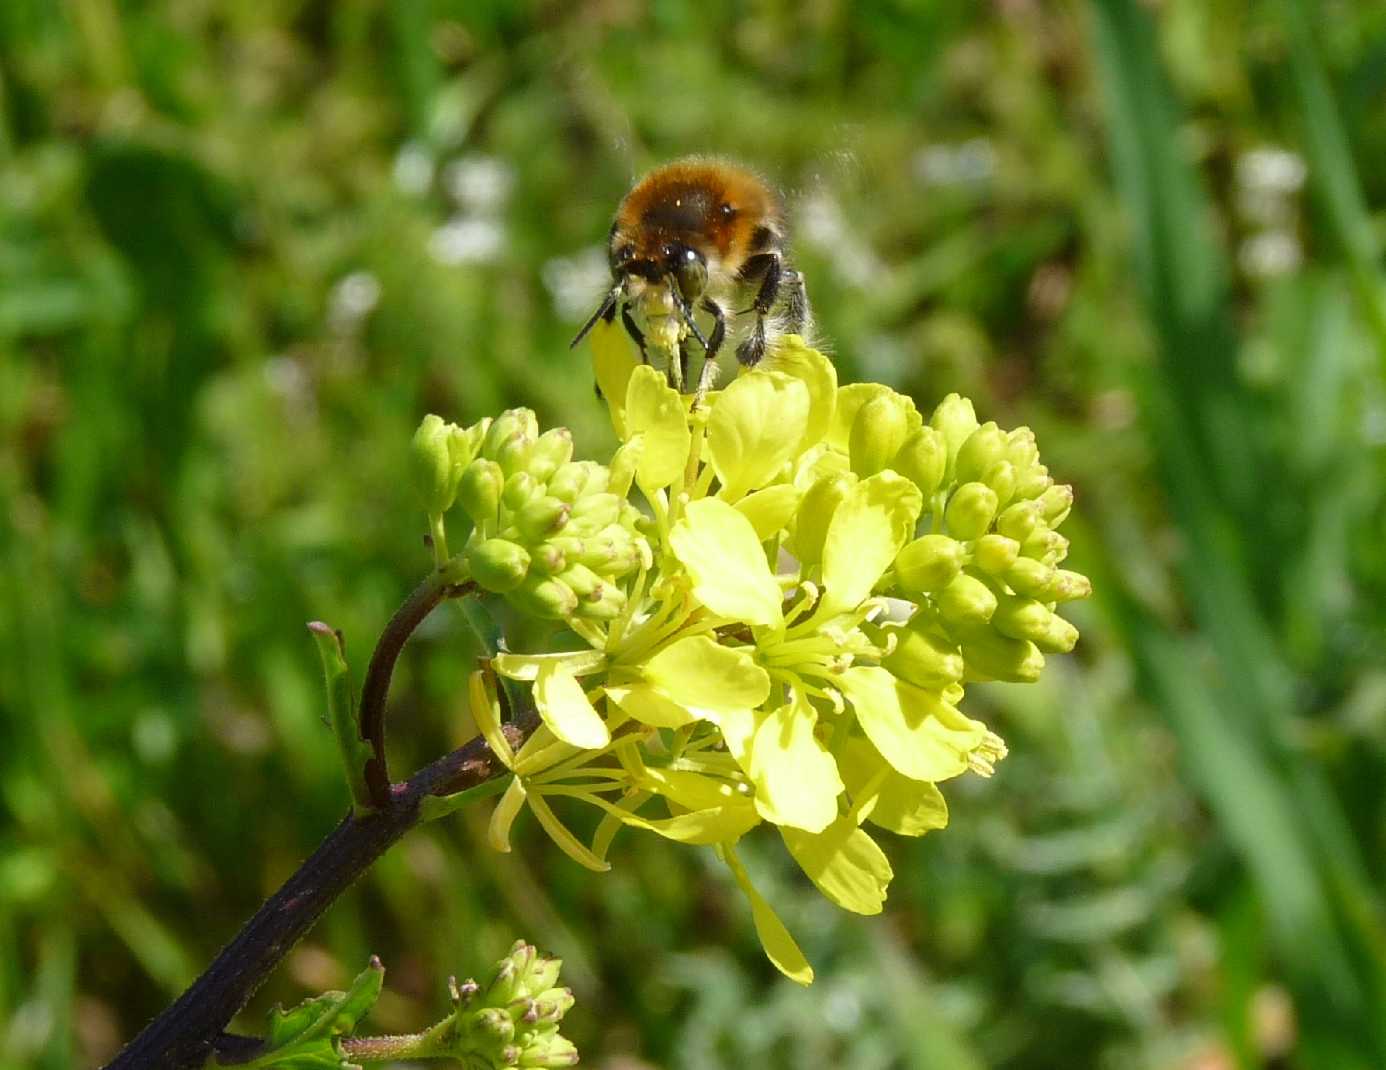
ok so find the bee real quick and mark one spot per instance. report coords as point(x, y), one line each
point(701, 236)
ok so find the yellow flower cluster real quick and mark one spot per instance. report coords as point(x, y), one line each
point(826, 570)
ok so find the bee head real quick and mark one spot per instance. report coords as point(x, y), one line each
point(689, 269)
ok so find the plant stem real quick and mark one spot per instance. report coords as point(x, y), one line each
point(185, 1035)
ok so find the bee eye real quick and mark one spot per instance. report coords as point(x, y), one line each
point(691, 274)
point(728, 211)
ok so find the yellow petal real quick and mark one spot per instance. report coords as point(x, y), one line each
point(896, 803)
point(779, 946)
point(721, 824)
point(655, 409)
point(526, 666)
point(485, 707)
point(844, 863)
point(818, 375)
point(795, 777)
point(565, 708)
point(503, 816)
point(725, 561)
point(918, 733)
point(567, 842)
point(650, 707)
point(614, 359)
point(867, 531)
point(771, 509)
point(755, 429)
point(699, 672)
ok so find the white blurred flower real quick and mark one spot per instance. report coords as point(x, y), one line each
point(1269, 253)
point(577, 282)
point(971, 163)
point(413, 170)
point(352, 299)
point(479, 184)
point(466, 240)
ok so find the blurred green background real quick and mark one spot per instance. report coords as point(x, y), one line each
point(244, 247)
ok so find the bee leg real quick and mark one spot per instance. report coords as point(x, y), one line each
point(797, 315)
point(635, 333)
point(770, 268)
point(683, 364)
point(714, 346)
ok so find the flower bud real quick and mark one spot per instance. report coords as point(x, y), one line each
point(815, 512)
point(1055, 503)
point(878, 431)
point(583, 581)
point(982, 449)
point(1022, 618)
point(465, 442)
point(494, 1023)
point(929, 563)
point(506, 426)
point(593, 512)
point(1045, 545)
point(990, 656)
point(923, 459)
point(970, 511)
point(924, 659)
point(1068, 586)
point(546, 1052)
point(571, 480)
point(541, 517)
point(956, 419)
point(514, 453)
point(519, 489)
point(551, 449)
point(994, 554)
point(549, 558)
point(1030, 577)
point(966, 604)
point(1021, 449)
point(431, 465)
point(1059, 638)
point(1018, 521)
point(479, 490)
point(606, 603)
point(1001, 478)
point(1032, 483)
point(498, 564)
point(539, 596)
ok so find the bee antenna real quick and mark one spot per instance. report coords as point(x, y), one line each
point(687, 313)
point(607, 304)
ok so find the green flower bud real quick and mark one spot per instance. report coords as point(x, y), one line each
point(506, 426)
point(1068, 586)
point(816, 509)
point(606, 603)
point(551, 450)
point(1055, 503)
point(583, 581)
point(930, 563)
point(923, 459)
point(540, 596)
point(465, 442)
point(479, 491)
point(549, 558)
point(1022, 618)
point(497, 564)
point(983, 448)
point(431, 465)
point(924, 659)
point(519, 489)
point(966, 604)
point(611, 551)
point(1045, 545)
point(970, 511)
point(956, 419)
point(1001, 478)
point(597, 511)
point(547, 1052)
point(514, 453)
point(1018, 521)
point(989, 656)
point(541, 517)
point(576, 478)
point(994, 554)
point(878, 431)
point(494, 1023)
point(1032, 483)
point(1021, 449)
point(1030, 577)
point(1060, 638)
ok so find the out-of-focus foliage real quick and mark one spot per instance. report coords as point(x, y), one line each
point(244, 247)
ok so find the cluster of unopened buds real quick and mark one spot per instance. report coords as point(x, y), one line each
point(780, 632)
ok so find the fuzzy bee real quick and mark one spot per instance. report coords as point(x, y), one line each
point(701, 236)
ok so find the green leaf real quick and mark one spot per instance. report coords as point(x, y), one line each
point(305, 1038)
point(722, 553)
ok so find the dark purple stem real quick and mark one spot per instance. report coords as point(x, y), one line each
point(184, 1035)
